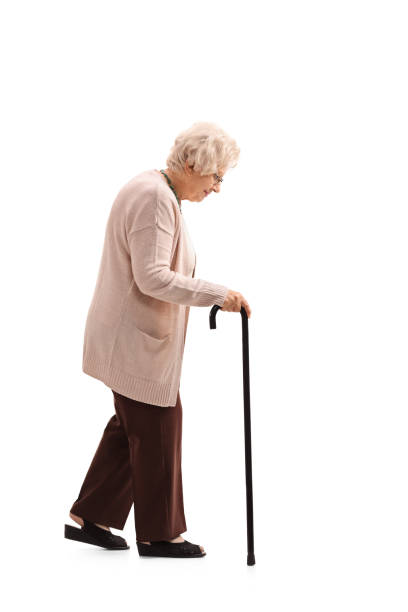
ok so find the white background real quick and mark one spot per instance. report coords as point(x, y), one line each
point(311, 227)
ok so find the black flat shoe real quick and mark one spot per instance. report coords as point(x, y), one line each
point(92, 534)
point(163, 548)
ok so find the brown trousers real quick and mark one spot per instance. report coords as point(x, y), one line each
point(138, 461)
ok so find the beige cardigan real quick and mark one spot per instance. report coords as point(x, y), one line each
point(137, 321)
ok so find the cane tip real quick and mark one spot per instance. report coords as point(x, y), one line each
point(251, 559)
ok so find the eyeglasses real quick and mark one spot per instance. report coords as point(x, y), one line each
point(219, 179)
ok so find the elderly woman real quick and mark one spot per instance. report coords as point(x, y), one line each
point(134, 343)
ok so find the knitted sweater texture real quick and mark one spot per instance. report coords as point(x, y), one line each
point(137, 321)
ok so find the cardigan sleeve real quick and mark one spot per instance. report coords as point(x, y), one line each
point(150, 251)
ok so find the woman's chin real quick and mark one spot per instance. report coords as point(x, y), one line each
point(199, 197)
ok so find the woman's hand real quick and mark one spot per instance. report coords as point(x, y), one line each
point(233, 302)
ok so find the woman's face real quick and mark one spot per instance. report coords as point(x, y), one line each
point(199, 187)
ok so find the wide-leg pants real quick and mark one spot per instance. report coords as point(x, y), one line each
point(138, 461)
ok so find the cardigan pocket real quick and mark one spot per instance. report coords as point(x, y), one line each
point(143, 355)
point(153, 338)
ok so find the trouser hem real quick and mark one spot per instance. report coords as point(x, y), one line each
point(165, 536)
point(101, 521)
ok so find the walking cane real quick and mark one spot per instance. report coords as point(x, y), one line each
point(247, 427)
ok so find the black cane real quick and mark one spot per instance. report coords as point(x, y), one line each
point(247, 427)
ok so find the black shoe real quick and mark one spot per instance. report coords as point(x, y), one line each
point(163, 548)
point(92, 534)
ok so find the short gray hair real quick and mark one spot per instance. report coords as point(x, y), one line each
point(206, 147)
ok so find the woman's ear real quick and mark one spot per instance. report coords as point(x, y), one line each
point(188, 169)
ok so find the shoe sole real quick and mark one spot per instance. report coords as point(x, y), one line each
point(77, 534)
point(146, 550)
